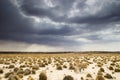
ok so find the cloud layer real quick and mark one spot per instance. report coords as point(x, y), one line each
point(60, 23)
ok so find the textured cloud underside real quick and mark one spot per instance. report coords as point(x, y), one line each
point(60, 23)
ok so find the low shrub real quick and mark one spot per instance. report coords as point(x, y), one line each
point(41, 65)
point(8, 74)
point(1, 61)
point(33, 71)
point(20, 71)
point(0, 78)
point(27, 72)
point(35, 67)
point(117, 70)
point(112, 64)
point(82, 78)
point(99, 65)
point(7, 63)
point(71, 67)
point(11, 66)
point(68, 78)
point(13, 77)
point(110, 68)
point(89, 75)
point(30, 78)
point(42, 76)
point(99, 73)
point(108, 76)
point(22, 66)
point(16, 69)
point(100, 78)
point(102, 70)
point(59, 67)
point(1, 71)
point(64, 66)
point(20, 75)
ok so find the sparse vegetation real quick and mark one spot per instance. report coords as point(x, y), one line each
point(71, 67)
point(20, 75)
point(20, 71)
point(89, 75)
point(82, 78)
point(11, 66)
point(30, 78)
point(64, 66)
point(42, 76)
point(13, 77)
point(108, 76)
point(16, 69)
point(27, 72)
point(117, 70)
point(101, 69)
point(68, 78)
point(111, 68)
point(33, 71)
point(100, 78)
point(61, 66)
point(1, 71)
point(8, 74)
point(35, 67)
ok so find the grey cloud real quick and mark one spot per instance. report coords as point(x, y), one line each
point(62, 31)
point(35, 11)
point(11, 20)
point(95, 20)
point(109, 12)
point(14, 26)
point(40, 39)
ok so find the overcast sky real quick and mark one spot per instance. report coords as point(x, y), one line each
point(59, 25)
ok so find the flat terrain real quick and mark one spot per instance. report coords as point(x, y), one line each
point(60, 66)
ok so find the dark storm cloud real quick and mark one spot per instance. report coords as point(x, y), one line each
point(11, 20)
point(67, 18)
point(109, 11)
point(43, 10)
point(35, 11)
point(52, 31)
point(13, 26)
point(40, 39)
point(96, 19)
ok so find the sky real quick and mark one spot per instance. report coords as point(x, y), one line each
point(59, 25)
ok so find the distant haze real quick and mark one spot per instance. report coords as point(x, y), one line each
point(59, 25)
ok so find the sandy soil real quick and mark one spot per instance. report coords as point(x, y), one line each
point(83, 64)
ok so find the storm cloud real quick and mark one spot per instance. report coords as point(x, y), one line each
point(60, 23)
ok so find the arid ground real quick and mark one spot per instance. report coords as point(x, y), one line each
point(60, 66)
